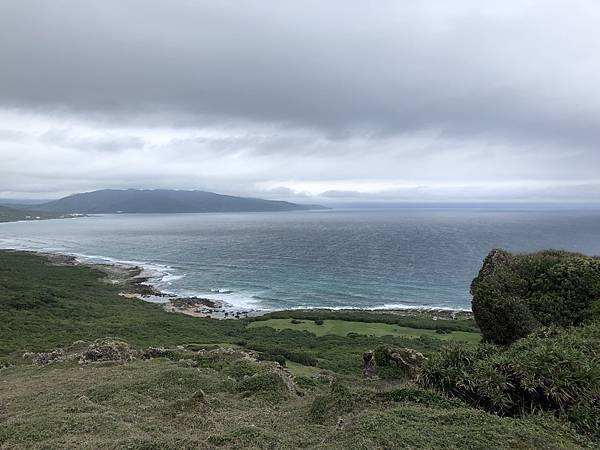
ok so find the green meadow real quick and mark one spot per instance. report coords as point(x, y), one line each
point(188, 382)
point(343, 328)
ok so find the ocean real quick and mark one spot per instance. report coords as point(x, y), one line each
point(362, 258)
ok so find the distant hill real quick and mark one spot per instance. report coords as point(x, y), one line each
point(21, 202)
point(109, 201)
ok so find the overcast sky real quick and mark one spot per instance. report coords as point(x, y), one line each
point(328, 100)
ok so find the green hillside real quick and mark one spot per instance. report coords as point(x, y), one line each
point(8, 214)
point(165, 380)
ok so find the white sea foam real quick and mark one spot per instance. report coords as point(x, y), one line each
point(384, 307)
point(231, 300)
point(222, 291)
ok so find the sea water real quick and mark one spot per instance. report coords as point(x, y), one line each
point(363, 258)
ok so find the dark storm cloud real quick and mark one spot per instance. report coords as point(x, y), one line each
point(525, 71)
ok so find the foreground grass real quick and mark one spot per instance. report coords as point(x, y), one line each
point(156, 404)
point(344, 327)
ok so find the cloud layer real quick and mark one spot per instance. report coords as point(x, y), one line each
point(426, 100)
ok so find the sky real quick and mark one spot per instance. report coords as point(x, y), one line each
point(337, 101)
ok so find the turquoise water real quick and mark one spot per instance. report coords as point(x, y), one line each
point(337, 258)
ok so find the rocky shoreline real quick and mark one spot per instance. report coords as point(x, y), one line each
point(135, 284)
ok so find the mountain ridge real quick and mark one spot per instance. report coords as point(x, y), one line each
point(148, 201)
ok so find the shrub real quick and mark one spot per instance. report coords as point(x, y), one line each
point(295, 321)
point(318, 322)
point(338, 401)
point(553, 369)
point(262, 383)
point(425, 397)
point(514, 294)
point(302, 358)
point(264, 379)
point(268, 357)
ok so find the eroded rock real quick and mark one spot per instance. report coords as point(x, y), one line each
point(406, 360)
point(108, 349)
point(369, 364)
point(45, 358)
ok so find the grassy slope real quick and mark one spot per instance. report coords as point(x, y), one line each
point(156, 404)
point(343, 327)
point(43, 306)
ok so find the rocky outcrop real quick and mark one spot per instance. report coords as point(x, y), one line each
point(108, 349)
point(406, 360)
point(369, 364)
point(45, 358)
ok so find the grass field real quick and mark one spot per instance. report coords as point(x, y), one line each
point(343, 328)
point(300, 370)
point(220, 388)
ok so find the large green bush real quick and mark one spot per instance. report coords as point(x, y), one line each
point(553, 369)
point(517, 293)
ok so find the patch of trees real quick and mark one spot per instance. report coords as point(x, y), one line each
point(515, 294)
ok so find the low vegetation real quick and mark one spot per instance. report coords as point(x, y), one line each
point(556, 370)
point(8, 214)
point(85, 367)
point(419, 320)
point(542, 310)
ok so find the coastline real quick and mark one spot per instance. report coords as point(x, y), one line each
point(136, 282)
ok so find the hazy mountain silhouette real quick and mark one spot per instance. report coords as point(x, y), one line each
point(163, 201)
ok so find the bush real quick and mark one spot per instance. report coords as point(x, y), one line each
point(301, 358)
point(553, 369)
point(295, 321)
point(329, 407)
point(268, 357)
point(425, 397)
point(514, 294)
point(262, 383)
point(318, 322)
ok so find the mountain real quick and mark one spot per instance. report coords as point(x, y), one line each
point(108, 201)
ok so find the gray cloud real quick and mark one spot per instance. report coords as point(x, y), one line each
point(524, 71)
point(297, 94)
point(103, 143)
